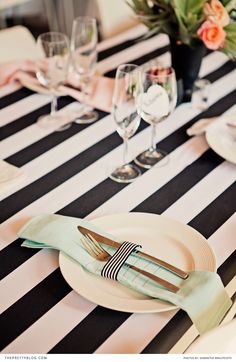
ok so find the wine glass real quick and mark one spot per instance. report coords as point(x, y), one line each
point(127, 90)
point(156, 103)
point(84, 58)
point(51, 71)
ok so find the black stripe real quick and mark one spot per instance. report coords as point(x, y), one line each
point(216, 213)
point(14, 97)
point(107, 188)
point(170, 334)
point(88, 335)
point(22, 314)
point(16, 255)
point(29, 119)
point(50, 181)
point(180, 323)
point(141, 60)
point(44, 144)
point(118, 48)
point(180, 184)
point(227, 67)
point(227, 270)
point(43, 185)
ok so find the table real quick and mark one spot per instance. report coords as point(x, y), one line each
point(67, 173)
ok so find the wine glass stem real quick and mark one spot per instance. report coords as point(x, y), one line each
point(53, 105)
point(125, 151)
point(85, 90)
point(153, 137)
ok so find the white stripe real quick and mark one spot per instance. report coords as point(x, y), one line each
point(44, 333)
point(9, 88)
point(63, 152)
point(211, 62)
point(132, 33)
point(153, 179)
point(129, 54)
point(22, 107)
point(223, 240)
point(34, 133)
point(29, 274)
point(178, 210)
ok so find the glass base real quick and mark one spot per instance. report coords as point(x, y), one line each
point(56, 122)
point(88, 117)
point(149, 158)
point(125, 174)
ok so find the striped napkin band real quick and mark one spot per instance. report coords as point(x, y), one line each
point(115, 263)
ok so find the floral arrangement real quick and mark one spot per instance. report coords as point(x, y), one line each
point(191, 21)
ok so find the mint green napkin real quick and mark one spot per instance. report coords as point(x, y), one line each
point(201, 295)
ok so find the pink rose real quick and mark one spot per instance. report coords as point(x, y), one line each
point(215, 11)
point(212, 35)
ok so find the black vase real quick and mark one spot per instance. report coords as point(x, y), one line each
point(186, 61)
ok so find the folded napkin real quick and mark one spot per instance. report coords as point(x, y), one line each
point(8, 70)
point(201, 295)
point(201, 126)
point(100, 88)
point(9, 175)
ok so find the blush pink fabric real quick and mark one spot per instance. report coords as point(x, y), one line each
point(100, 90)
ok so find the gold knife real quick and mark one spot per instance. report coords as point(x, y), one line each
point(102, 239)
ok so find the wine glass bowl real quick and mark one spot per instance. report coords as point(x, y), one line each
point(126, 115)
point(51, 71)
point(156, 103)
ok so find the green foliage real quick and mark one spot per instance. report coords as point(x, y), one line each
point(181, 19)
point(230, 41)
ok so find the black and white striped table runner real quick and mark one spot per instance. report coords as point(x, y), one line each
point(67, 173)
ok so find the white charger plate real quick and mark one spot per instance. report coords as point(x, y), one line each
point(222, 142)
point(160, 236)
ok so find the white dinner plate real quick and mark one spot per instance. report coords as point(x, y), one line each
point(222, 142)
point(165, 238)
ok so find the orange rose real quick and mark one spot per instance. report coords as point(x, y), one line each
point(212, 35)
point(215, 11)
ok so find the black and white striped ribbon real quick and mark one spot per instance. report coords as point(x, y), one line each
point(112, 267)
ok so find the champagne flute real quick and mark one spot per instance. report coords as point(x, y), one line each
point(156, 103)
point(51, 71)
point(127, 90)
point(84, 58)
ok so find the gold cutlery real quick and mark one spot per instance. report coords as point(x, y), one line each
point(102, 239)
point(97, 252)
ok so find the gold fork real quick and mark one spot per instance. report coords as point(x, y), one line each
point(97, 252)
